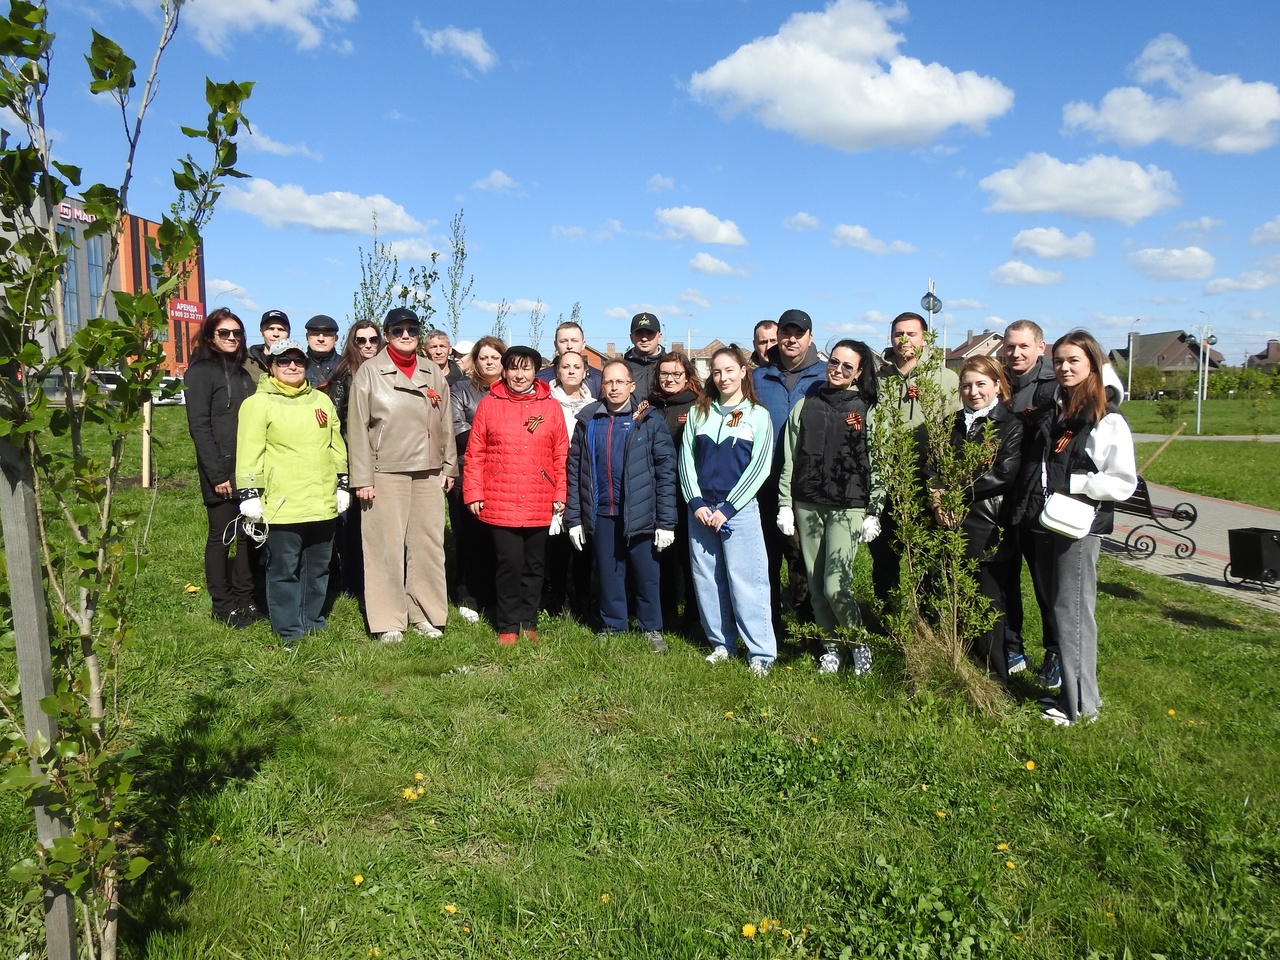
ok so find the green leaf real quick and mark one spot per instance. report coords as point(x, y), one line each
point(111, 69)
point(137, 867)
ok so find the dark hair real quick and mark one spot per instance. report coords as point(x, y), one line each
point(473, 374)
point(868, 382)
point(755, 331)
point(569, 325)
point(924, 324)
point(206, 338)
point(690, 371)
point(515, 356)
point(569, 353)
point(991, 368)
point(1088, 401)
point(1029, 325)
point(351, 359)
point(711, 392)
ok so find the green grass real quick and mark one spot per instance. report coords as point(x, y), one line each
point(1218, 418)
point(585, 801)
point(1239, 470)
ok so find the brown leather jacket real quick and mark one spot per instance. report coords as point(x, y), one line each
point(399, 425)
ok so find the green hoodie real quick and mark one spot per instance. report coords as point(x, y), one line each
point(289, 446)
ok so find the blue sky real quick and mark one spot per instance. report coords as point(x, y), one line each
point(720, 161)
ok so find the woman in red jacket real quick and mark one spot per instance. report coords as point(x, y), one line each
point(514, 480)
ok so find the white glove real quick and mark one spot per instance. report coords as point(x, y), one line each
point(787, 521)
point(344, 500)
point(870, 529)
point(663, 539)
point(251, 509)
point(557, 525)
point(578, 537)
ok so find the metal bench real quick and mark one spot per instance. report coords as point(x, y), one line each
point(1173, 521)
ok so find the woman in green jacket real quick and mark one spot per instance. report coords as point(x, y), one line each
point(291, 474)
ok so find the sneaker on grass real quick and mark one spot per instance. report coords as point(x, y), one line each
point(658, 644)
point(428, 630)
point(718, 655)
point(1016, 663)
point(390, 636)
point(469, 615)
point(829, 662)
point(760, 668)
point(861, 657)
point(1050, 674)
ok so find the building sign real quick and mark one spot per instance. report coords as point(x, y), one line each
point(186, 311)
point(67, 212)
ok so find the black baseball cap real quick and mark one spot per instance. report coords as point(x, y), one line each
point(645, 321)
point(796, 318)
point(275, 316)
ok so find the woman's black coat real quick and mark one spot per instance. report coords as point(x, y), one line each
point(214, 392)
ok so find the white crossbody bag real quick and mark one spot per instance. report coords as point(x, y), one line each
point(1064, 514)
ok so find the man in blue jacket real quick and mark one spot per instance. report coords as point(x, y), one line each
point(792, 372)
point(622, 489)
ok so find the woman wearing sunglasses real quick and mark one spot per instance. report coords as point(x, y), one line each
point(364, 340)
point(403, 462)
point(291, 474)
point(217, 383)
point(829, 492)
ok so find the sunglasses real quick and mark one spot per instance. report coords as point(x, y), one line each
point(290, 362)
point(846, 368)
point(364, 340)
point(229, 334)
point(395, 332)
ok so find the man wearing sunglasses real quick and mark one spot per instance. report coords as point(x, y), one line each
point(322, 349)
point(792, 371)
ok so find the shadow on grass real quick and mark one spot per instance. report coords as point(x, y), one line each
point(1120, 591)
point(177, 774)
point(1195, 618)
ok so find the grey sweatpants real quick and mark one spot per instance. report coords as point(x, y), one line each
point(1069, 571)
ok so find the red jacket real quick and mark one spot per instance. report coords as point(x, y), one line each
point(516, 457)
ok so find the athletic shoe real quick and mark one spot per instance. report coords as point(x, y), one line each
point(1050, 674)
point(861, 659)
point(428, 630)
point(604, 636)
point(1016, 663)
point(655, 640)
point(252, 611)
point(718, 655)
point(469, 615)
point(390, 636)
point(760, 668)
point(829, 663)
point(1056, 717)
point(530, 635)
point(1048, 701)
point(508, 639)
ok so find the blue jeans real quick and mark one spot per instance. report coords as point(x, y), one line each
point(1069, 570)
point(298, 556)
point(615, 555)
point(731, 578)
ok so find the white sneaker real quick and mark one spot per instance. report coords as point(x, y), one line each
point(718, 655)
point(861, 660)
point(428, 630)
point(760, 668)
point(390, 636)
point(829, 663)
point(469, 615)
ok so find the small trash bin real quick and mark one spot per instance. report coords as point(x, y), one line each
point(1255, 554)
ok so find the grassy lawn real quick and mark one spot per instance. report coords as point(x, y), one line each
point(453, 799)
point(1237, 470)
point(1218, 418)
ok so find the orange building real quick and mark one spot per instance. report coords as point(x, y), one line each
point(185, 310)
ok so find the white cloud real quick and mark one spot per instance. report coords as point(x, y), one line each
point(660, 184)
point(1199, 225)
point(851, 235)
point(413, 249)
point(837, 78)
point(1219, 113)
point(1264, 279)
point(216, 289)
point(468, 45)
point(695, 297)
point(697, 224)
point(1052, 244)
point(801, 221)
point(498, 182)
point(214, 21)
point(607, 230)
point(1100, 187)
point(1188, 263)
point(514, 306)
point(1269, 232)
point(567, 233)
point(964, 304)
point(259, 142)
point(863, 331)
point(705, 263)
point(626, 313)
point(337, 212)
point(1015, 273)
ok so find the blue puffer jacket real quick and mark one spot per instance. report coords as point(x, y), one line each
point(778, 399)
point(648, 473)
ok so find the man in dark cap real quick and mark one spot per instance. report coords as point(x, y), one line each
point(322, 349)
point(274, 326)
point(793, 370)
point(646, 350)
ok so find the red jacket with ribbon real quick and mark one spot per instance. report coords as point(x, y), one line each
point(516, 457)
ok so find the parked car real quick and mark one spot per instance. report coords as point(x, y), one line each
point(172, 393)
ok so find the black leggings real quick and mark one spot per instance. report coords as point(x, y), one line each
point(227, 571)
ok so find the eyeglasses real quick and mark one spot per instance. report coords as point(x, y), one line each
point(365, 340)
point(228, 333)
point(668, 375)
point(846, 368)
point(397, 332)
point(290, 362)
point(322, 333)
point(617, 383)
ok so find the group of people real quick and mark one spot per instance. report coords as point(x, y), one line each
point(637, 492)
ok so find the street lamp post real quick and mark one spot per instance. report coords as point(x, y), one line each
point(1128, 391)
point(931, 305)
point(1205, 339)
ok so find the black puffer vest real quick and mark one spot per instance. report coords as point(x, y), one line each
point(1064, 443)
point(832, 467)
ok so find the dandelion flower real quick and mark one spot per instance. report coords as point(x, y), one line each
point(358, 879)
point(375, 952)
point(764, 925)
point(1031, 764)
point(419, 791)
point(191, 588)
point(418, 778)
point(1002, 846)
point(465, 928)
point(942, 814)
point(1173, 713)
point(117, 824)
point(1011, 865)
point(748, 930)
point(785, 932)
point(728, 714)
point(450, 909)
point(1109, 914)
point(409, 794)
point(216, 838)
point(605, 898)
point(924, 787)
point(765, 714)
point(813, 739)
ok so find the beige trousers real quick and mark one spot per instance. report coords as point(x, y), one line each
point(402, 530)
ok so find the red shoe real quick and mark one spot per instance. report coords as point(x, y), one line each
point(507, 639)
point(530, 635)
